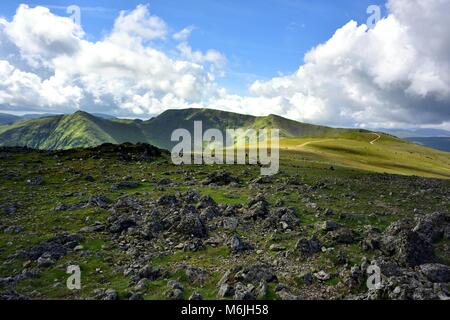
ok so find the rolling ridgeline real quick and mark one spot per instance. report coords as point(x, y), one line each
point(140, 227)
point(81, 129)
point(339, 147)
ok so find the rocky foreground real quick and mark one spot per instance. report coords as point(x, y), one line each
point(142, 228)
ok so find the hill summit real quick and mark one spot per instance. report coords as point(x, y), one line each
point(81, 129)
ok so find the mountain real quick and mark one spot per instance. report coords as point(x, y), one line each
point(439, 143)
point(159, 129)
point(78, 130)
point(417, 133)
point(433, 138)
point(82, 129)
point(8, 118)
point(299, 143)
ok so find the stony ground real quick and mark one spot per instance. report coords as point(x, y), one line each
point(141, 228)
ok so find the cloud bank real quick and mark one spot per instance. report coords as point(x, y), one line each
point(395, 74)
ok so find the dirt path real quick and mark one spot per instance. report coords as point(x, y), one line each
point(314, 141)
point(375, 140)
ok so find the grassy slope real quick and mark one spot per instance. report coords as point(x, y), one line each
point(32, 133)
point(387, 155)
point(64, 132)
point(8, 118)
point(343, 147)
point(348, 191)
point(159, 129)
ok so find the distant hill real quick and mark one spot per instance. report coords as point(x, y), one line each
point(8, 118)
point(354, 148)
point(433, 138)
point(82, 129)
point(439, 143)
point(418, 132)
point(159, 129)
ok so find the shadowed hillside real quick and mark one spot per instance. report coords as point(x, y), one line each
point(352, 148)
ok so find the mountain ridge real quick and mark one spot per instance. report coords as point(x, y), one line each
point(299, 142)
point(82, 129)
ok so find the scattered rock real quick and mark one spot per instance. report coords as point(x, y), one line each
point(11, 295)
point(69, 207)
point(322, 276)
point(196, 275)
point(10, 209)
point(236, 244)
point(307, 278)
point(195, 296)
point(437, 273)
point(149, 272)
point(13, 229)
point(54, 248)
point(343, 236)
point(126, 185)
point(96, 227)
point(110, 294)
point(255, 274)
point(225, 290)
point(191, 225)
point(176, 290)
point(230, 223)
point(221, 178)
point(433, 227)
point(307, 247)
point(243, 293)
point(277, 247)
point(328, 226)
point(100, 201)
point(35, 181)
point(407, 247)
point(45, 261)
point(136, 297)
point(120, 223)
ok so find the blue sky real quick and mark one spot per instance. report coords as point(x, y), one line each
point(131, 62)
point(260, 38)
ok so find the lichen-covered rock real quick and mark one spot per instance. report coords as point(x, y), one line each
point(236, 244)
point(437, 273)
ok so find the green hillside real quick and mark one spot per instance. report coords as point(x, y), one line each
point(6, 118)
point(159, 129)
point(82, 129)
point(65, 132)
point(440, 143)
point(385, 155)
point(352, 148)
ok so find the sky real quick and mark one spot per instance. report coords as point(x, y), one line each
point(313, 61)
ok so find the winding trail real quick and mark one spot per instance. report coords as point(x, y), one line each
point(375, 140)
point(327, 140)
point(314, 141)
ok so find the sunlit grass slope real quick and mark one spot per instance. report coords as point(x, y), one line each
point(386, 155)
point(352, 148)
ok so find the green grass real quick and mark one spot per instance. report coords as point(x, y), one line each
point(354, 188)
point(387, 155)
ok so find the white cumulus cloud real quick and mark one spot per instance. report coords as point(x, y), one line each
point(184, 34)
point(395, 74)
point(53, 67)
